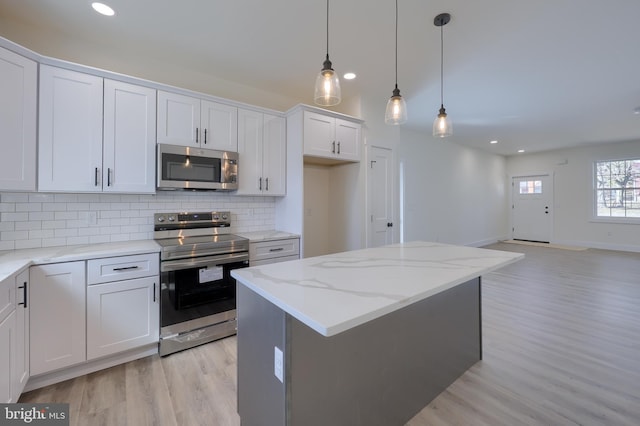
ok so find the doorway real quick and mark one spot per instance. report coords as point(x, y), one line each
point(531, 209)
point(380, 172)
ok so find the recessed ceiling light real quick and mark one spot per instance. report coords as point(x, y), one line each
point(349, 76)
point(636, 110)
point(521, 151)
point(493, 142)
point(103, 9)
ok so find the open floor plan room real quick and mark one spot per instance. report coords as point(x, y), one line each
point(560, 347)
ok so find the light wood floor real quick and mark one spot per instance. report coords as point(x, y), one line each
point(561, 347)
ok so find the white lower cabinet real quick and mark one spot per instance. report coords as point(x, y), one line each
point(265, 252)
point(57, 326)
point(122, 315)
point(21, 371)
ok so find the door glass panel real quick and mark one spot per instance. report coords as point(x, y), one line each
point(530, 187)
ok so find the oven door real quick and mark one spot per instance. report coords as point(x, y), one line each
point(198, 292)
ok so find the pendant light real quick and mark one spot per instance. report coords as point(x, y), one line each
point(327, 91)
point(442, 125)
point(396, 112)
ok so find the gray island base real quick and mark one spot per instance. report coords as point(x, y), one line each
point(382, 372)
point(365, 337)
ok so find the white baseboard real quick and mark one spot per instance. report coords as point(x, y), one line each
point(599, 245)
point(486, 241)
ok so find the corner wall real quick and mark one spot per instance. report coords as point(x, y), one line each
point(573, 191)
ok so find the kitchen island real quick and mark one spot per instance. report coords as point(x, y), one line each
point(367, 337)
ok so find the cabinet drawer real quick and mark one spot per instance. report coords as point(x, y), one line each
point(273, 249)
point(273, 260)
point(122, 268)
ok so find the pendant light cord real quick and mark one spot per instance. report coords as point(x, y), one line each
point(396, 43)
point(441, 67)
point(327, 28)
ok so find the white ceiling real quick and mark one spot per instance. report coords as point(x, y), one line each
point(535, 75)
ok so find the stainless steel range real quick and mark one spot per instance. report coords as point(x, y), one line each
point(198, 294)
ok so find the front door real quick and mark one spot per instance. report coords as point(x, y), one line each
point(380, 194)
point(531, 209)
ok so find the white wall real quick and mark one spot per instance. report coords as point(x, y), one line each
point(573, 190)
point(31, 220)
point(452, 194)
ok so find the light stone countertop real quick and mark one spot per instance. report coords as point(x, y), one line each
point(260, 236)
point(337, 292)
point(12, 261)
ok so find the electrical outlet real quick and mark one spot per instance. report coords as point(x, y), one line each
point(278, 364)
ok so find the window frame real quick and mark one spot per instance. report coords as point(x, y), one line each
point(595, 192)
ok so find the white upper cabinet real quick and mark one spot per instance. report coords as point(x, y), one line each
point(71, 143)
point(262, 154)
point(18, 104)
point(70, 139)
point(330, 137)
point(129, 138)
point(188, 121)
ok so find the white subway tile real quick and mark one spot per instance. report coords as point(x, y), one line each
point(65, 233)
point(54, 207)
point(77, 240)
point(107, 214)
point(119, 237)
point(15, 197)
point(41, 198)
point(54, 224)
point(41, 216)
point(77, 206)
point(7, 207)
point(27, 244)
point(8, 226)
point(65, 215)
point(14, 217)
point(7, 245)
point(66, 198)
point(88, 231)
point(41, 233)
point(97, 239)
point(27, 226)
point(14, 235)
point(54, 242)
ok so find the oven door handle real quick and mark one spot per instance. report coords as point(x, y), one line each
point(201, 262)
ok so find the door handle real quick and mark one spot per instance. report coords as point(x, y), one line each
point(196, 135)
point(96, 176)
point(154, 292)
point(108, 176)
point(338, 147)
point(205, 136)
point(333, 147)
point(266, 181)
point(260, 184)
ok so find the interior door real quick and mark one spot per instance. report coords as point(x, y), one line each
point(380, 194)
point(531, 209)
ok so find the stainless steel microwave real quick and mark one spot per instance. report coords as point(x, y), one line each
point(184, 167)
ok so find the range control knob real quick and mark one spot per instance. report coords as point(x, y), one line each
point(172, 218)
point(160, 218)
point(216, 217)
point(224, 217)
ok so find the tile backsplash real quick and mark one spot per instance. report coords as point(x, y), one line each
point(31, 220)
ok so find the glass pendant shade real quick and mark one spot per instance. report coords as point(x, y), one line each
point(396, 112)
point(327, 91)
point(442, 126)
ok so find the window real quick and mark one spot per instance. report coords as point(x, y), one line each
point(617, 188)
point(530, 187)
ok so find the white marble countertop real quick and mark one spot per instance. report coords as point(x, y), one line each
point(12, 261)
point(336, 292)
point(259, 236)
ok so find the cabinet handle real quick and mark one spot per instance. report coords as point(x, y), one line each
point(24, 294)
point(333, 147)
point(338, 147)
point(154, 292)
point(108, 176)
point(266, 184)
point(205, 136)
point(277, 249)
point(196, 135)
point(260, 184)
point(125, 268)
point(96, 176)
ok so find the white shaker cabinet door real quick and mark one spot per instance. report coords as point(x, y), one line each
point(178, 119)
point(21, 370)
point(250, 132)
point(219, 123)
point(319, 135)
point(122, 315)
point(347, 140)
point(57, 310)
point(18, 102)
point(274, 155)
point(129, 144)
point(70, 131)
